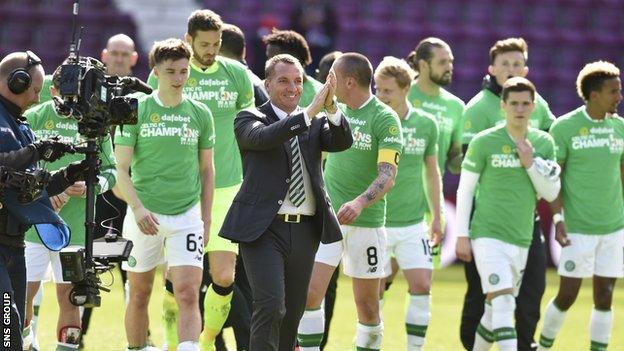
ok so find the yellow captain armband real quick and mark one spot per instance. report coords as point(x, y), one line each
point(388, 156)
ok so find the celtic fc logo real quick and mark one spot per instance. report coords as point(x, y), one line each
point(131, 261)
point(569, 265)
point(494, 279)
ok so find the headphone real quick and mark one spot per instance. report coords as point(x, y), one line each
point(19, 80)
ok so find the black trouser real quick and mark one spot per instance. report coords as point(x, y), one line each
point(527, 303)
point(330, 301)
point(13, 289)
point(239, 317)
point(110, 212)
point(279, 265)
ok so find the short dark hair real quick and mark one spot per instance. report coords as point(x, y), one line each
point(509, 45)
point(325, 65)
point(204, 20)
point(592, 77)
point(290, 42)
point(169, 49)
point(424, 51)
point(517, 85)
point(356, 65)
point(232, 41)
point(269, 68)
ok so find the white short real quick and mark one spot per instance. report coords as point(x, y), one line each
point(363, 250)
point(179, 242)
point(500, 264)
point(410, 246)
point(589, 255)
point(39, 260)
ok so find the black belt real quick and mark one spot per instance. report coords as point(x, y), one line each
point(290, 218)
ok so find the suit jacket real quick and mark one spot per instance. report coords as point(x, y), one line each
point(263, 140)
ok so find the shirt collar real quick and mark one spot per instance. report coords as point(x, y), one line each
point(370, 98)
point(13, 109)
point(281, 114)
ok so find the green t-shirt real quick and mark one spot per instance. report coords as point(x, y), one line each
point(45, 96)
point(225, 88)
point(483, 111)
point(591, 152)
point(311, 86)
point(406, 201)
point(46, 123)
point(349, 173)
point(448, 109)
point(505, 200)
point(167, 143)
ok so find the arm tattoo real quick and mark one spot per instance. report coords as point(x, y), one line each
point(385, 174)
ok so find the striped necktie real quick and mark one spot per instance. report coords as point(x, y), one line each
point(296, 190)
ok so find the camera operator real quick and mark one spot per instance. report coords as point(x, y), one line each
point(120, 57)
point(46, 122)
point(21, 79)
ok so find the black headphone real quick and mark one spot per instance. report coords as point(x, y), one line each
point(19, 80)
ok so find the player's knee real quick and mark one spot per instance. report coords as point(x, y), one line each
point(139, 296)
point(186, 294)
point(420, 287)
point(223, 277)
point(565, 299)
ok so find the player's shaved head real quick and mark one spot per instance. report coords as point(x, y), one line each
point(119, 40)
point(119, 55)
point(357, 66)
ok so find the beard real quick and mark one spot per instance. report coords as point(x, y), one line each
point(441, 80)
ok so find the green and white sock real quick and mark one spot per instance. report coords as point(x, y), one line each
point(417, 320)
point(600, 329)
point(553, 320)
point(311, 329)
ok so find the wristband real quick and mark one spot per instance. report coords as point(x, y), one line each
point(556, 218)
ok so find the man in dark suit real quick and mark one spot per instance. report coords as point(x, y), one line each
point(282, 210)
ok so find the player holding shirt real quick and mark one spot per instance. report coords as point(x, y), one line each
point(433, 60)
point(510, 163)
point(357, 181)
point(70, 204)
point(508, 59)
point(409, 235)
point(224, 87)
point(171, 211)
point(293, 43)
point(590, 150)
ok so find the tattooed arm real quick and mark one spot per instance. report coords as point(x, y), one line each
point(349, 211)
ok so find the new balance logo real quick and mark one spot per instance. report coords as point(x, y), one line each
point(372, 270)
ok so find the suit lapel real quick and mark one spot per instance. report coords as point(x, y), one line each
point(267, 109)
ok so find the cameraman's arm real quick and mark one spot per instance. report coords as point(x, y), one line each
point(207, 171)
point(108, 172)
point(19, 159)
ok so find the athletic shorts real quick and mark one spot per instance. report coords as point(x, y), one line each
point(409, 246)
point(179, 242)
point(500, 264)
point(39, 260)
point(589, 255)
point(363, 251)
point(222, 200)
